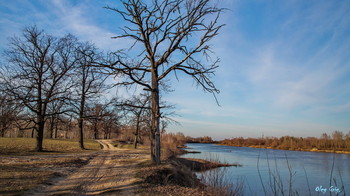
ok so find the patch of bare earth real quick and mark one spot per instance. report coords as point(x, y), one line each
point(110, 172)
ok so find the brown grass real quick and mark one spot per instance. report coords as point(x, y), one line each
point(20, 175)
point(26, 146)
point(22, 169)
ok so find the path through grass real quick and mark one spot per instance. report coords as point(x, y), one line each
point(22, 169)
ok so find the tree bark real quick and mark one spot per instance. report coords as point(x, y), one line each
point(81, 133)
point(51, 127)
point(56, 130)
point(95, 131)
point(137, 132)
point(81, 110)
point(40, 134)
point(81, 122)
point(3, 132)
point(155, 115)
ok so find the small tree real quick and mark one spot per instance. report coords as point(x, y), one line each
point(9, 111)
point(89, 82)
point(137, 106)
point(54, 108)
point(96, 114)
point(172, 36)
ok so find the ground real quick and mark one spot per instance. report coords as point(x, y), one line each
point(110, 171)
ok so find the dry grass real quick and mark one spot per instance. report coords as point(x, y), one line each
point(167, 179)
point(176, 177)
point(22, 169)
point(26, 146)
point(16, 180)
point(218, 183)
point(20, 174)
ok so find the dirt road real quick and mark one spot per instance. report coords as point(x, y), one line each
point(110, 172)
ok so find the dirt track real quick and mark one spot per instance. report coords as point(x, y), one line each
point(110, 172)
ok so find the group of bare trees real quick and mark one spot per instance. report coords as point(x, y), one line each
point(51, 76)
point(46, 76)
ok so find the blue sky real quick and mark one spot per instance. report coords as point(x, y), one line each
point(285, 65)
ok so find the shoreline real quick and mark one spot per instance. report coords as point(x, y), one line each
point(304, 150)
point(200, 165)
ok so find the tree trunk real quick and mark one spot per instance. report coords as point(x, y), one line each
point(56, 130)
point(155, 116)
point(137, 129)
point(136, 133)
point(153, 158)
point(95, 131)
point(40, 134)
point(51, 127)
point(81, 133)
point(81, 115)
point(3, 130)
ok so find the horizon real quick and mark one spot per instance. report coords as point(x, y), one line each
point(284, 69)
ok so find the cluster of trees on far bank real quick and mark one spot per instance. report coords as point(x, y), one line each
point(337, 141)
point(51, 85)
point(203, 139)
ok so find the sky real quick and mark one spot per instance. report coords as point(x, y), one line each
point(284, 65)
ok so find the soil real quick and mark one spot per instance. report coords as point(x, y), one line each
point(110, 172)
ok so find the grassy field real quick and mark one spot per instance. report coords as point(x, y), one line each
point(22, 169)
point(26, 146)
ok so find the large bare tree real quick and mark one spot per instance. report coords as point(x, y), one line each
point(36, 73)
point(171, 36)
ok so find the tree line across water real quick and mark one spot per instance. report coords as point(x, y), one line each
point(337, 141)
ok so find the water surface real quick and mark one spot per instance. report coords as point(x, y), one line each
point(307, 173)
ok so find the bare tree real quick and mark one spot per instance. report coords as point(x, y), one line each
point(173, 36)
point(96, 114)
point(9, 111)
point(36, 74)
point(110, 122)
point(338, 139)
point(55, 109)
point(138, 106)
point(89, 82)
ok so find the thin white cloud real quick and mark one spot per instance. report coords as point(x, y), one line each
point(76, 19)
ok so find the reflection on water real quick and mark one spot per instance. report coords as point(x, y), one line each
point(305, 172)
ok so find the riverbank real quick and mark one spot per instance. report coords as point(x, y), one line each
point(293, 149)
point(337, 142)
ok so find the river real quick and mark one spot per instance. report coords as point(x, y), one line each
point(305, 173)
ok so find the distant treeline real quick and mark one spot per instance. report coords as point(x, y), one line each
point(204, 139)
point(337, 141)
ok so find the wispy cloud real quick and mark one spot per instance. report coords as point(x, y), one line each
point(304, 65)
point(60, 17)
point(76, 19)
